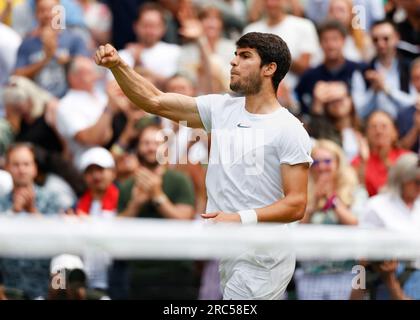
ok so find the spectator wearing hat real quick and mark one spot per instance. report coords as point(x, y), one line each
point(69, 280)
point(101, 198)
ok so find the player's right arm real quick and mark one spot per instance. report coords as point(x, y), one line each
point(144, 94)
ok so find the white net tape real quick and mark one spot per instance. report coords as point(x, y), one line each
point(144, 238)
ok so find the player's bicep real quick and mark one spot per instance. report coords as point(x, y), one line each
point(178, 107)
point(295, 179)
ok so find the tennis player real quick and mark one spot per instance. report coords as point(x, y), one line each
point(259, 158)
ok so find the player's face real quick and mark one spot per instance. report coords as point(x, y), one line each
point(245, 74)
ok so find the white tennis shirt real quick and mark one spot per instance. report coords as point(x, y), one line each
point(244, 173)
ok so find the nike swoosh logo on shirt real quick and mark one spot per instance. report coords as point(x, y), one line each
point(240, 125)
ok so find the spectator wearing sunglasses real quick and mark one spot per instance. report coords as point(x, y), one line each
point(386, 84)
point(334, 198)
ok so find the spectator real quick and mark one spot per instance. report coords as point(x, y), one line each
point(408, 120)
point(358, 46)
point(83, 117)
point(373, 164)
point(124, 15)
point(70, 270)
point(292, 30)
point(44, 52)
point(335, 67)
point(157, 192)
point(100, 200)
point(368, 10)
point(206, 60)
point(188, 148)
point(150, 52)
point(398, 208)
point(24, 17)
point(6, 183)
point(334, 118)
point(34, 123)
point(9, 44)
point(409, 29)
point(334, 197)
point(98, 20)
point(387, 79)
point(29, 275)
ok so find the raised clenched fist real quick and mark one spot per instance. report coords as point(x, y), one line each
point(107, 56)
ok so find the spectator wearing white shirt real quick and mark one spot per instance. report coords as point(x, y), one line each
point(83, 117)
point(386, 84)
point(158, 58)
point(292, 30)
point(397, 208)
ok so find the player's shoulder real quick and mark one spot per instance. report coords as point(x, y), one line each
point(221, 100)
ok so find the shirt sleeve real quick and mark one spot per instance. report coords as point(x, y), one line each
point(204, 106)
point(294, 146)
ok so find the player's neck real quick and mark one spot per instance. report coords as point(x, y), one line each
point(262, 103)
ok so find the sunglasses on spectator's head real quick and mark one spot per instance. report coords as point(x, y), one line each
point(317, 162)
point(376, 39)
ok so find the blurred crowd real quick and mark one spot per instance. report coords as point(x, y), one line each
point(71, 143)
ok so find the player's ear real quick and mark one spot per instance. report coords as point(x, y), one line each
point(270, 68)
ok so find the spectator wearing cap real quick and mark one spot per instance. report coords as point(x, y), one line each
point(101, 198)
point(46, 49)
point(397, 208)
point(335, 67)
point(100, 201)
point(84, 115)
point(386, 83)
point(28, 275)
point(69, 280)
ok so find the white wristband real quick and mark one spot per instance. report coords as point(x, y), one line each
point(248, 216)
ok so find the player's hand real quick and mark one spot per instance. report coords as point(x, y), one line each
point(220, 216)
point(107, 56)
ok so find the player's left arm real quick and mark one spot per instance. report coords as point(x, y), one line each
point(288, 209)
